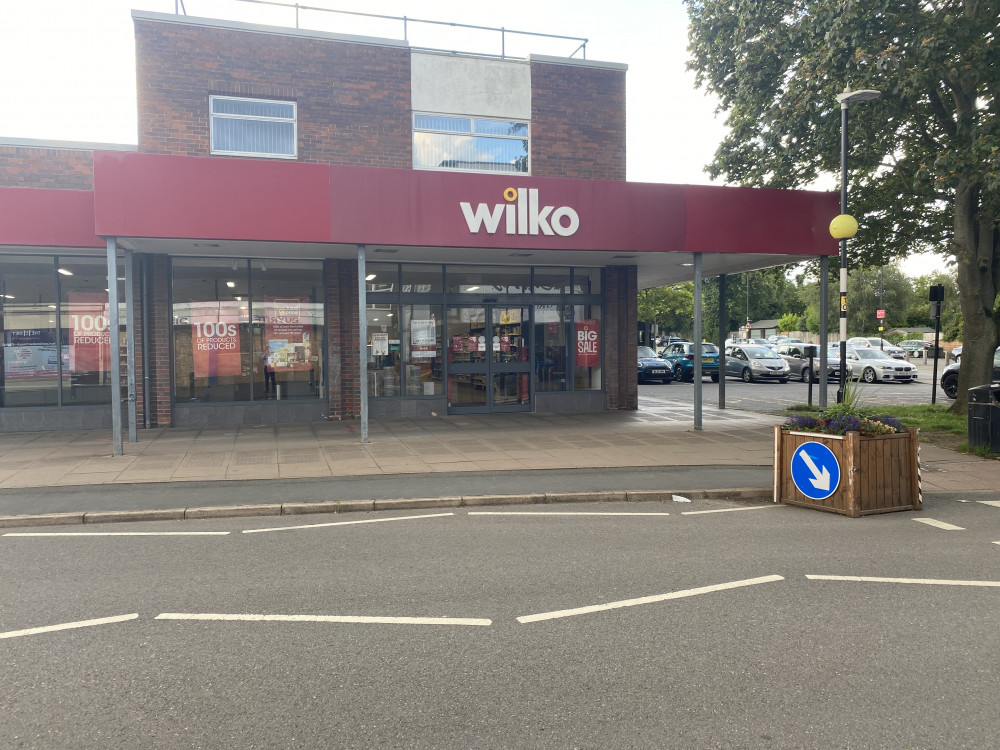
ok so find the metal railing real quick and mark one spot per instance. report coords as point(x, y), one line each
point(179, 9)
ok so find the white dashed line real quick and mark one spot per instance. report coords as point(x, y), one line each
point(554, 513)
point(68, 626)
point(730, 510)
point(924, 581)
point(351, 619)
point(119, 533)
point(345, 523)
point(938, 524)
point(647, 599)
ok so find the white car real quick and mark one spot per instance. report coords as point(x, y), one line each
point(872, 366)
point(874, 342)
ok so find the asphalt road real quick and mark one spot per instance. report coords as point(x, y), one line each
point(774, 396)
point(689, 630)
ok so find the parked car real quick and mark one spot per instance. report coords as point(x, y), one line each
point(881, 344)
point(664, 340)
point(651, 367)
point(797, 356)
point(680, 355)
point(917, 347)
point(949, 376)
point(956, 353)
point(874, 366)
point(751, 362)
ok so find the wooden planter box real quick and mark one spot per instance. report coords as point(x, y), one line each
point(878, 474)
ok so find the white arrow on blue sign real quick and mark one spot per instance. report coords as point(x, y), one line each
point(815, 471)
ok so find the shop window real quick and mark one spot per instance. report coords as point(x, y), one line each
point(487, 280)
point(422, 278)
point(422, 360)
point(383, 350)
point(253, 127)
point(587, 280)
point(211, 322)
point(551, 281)
point(31, 350)
point(588, 347)
point(550, 347)
point(381, 278)
point(288, 329)
point(85, 330)
point(470, 144)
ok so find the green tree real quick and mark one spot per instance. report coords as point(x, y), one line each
point(789, 322)
point(924, 159)
point(669, 307)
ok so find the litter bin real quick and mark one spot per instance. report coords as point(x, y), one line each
point(984, 417)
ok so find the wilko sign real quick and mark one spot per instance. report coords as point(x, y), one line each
point(521, 214)
point(588, 343)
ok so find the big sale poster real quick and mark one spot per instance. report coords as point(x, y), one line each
point(89, 332)
point(286, 333)
point(215, 339)
point(588, 345)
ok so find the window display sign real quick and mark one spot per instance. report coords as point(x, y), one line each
point(588, 343)
point(30, 353)
point(89, 332)
point(380, 344)
point(215, 339)
point(423, 339)
point(286, 333)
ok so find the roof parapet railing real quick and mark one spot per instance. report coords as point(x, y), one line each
point(179, 9)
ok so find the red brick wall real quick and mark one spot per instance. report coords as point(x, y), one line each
point(343, 337)
point(621, 378)
point(577, 122)
point(160, 335)
point(353, 99)
point(58, 168)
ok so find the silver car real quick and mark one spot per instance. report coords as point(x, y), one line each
point(872, 366)
point(797, 357)
point(750, 363)
point(874, 342)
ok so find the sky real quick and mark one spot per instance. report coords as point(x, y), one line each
point(67, 68)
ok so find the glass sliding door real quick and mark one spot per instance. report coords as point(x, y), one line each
point(488, 363)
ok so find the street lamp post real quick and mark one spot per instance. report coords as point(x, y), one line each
point(844, 226)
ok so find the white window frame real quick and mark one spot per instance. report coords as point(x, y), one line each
point(472, 134)
point(212, 118)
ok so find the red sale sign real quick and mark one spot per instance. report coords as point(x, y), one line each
point(215, 339)
point(89, 332)
point(588, 343)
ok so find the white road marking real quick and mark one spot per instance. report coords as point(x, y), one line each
point(68, 626)
point(554, 513)
point(938, 524)
point(730, 510)
point(345, 523)
point(647, 599)
point(119, 533)
point(327, 618)
point(925, 581)
point(994, 503)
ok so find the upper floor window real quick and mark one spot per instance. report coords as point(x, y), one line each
point(253, 127)
point(470, 144)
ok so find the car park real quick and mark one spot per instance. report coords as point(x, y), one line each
point(651, 367)
point(750, 363)
point(680, 356)
point(949, 376)
point(874, 342)
point(873, 366)
point(797, 356)
point(916, 347)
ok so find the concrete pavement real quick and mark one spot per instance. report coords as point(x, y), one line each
point(532, 454)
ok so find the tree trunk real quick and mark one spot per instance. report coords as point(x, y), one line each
point(978, 272)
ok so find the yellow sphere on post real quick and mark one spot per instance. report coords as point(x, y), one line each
point(843, 227)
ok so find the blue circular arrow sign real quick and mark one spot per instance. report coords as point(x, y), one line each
point(815, 471)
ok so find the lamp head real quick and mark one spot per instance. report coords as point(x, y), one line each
point(855, 97)
point(843, 227)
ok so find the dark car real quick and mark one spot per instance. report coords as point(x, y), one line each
point(797, 356)
point(680, 355)
point(949, 376)
point(651, 367)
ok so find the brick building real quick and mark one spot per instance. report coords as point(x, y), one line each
point(314, 226)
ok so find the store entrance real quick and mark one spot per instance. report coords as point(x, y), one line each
point(488, 359)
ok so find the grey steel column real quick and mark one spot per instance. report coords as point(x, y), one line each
point(363, 341)
point(824, 334)
point(697, 341)
point(723, 331)
point(113, 334)
point(130, 343)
